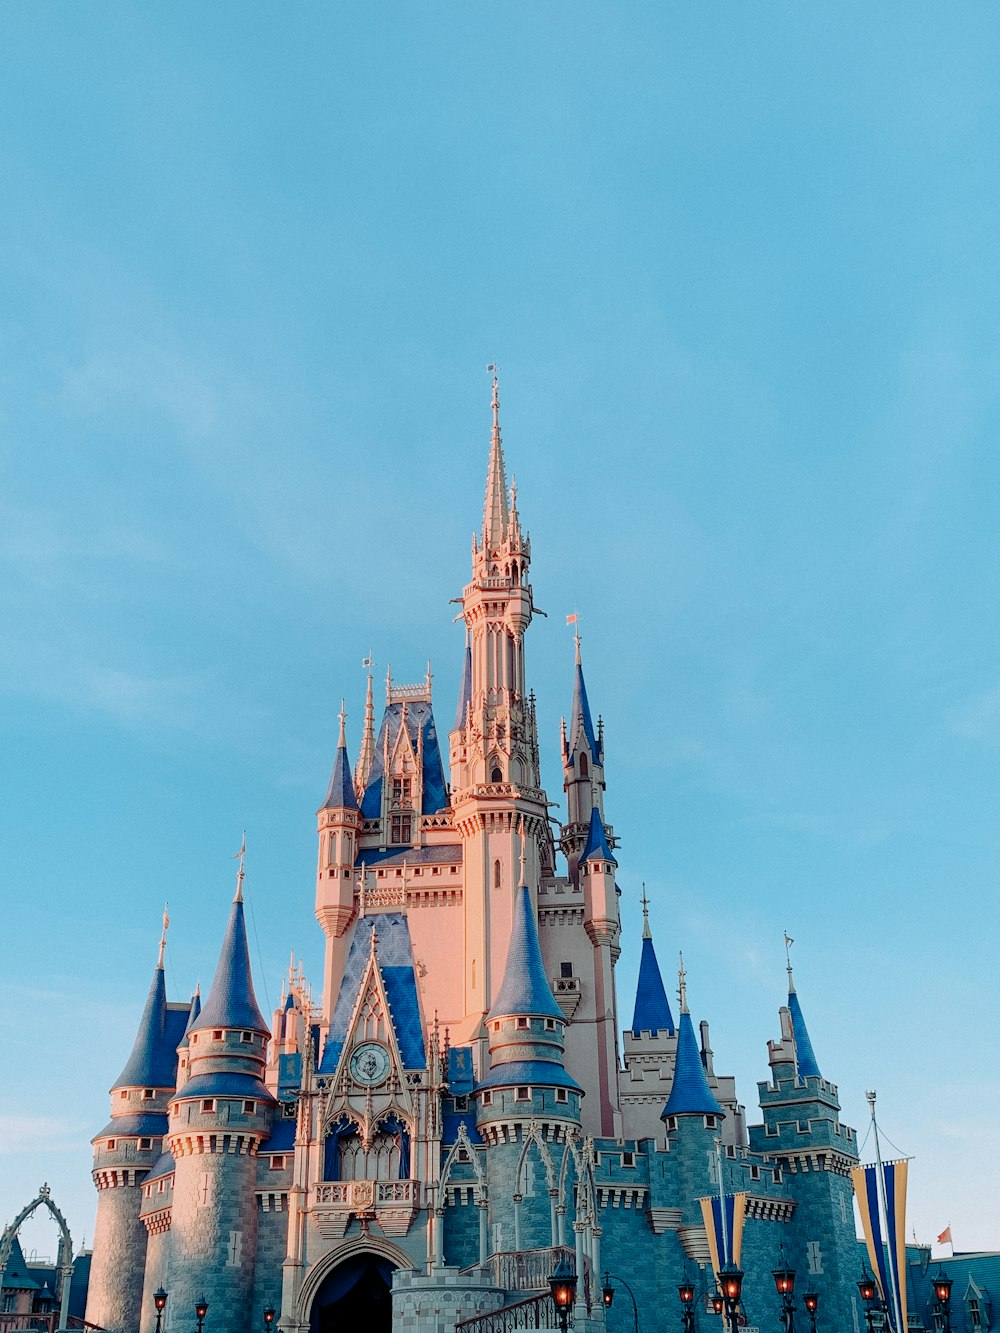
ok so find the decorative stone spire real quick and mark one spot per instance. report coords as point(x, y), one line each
point(464, 689)
point(340, 794)
point(690, 1093)
point(367, 755)
point(495, 510)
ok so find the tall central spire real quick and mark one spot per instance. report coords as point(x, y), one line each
point(495, 510)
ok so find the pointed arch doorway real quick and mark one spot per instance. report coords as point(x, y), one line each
point(355, 1295)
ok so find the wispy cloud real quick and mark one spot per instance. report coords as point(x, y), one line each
point(39, 1133)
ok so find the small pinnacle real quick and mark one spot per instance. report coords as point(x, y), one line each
point(342, 742)
point(163, 938)
point(238, 896)
point(646, 933)
point(682, 985)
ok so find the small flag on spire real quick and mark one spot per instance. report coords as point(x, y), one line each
point(368, 662)
point(945, 1236)
point(572, 620)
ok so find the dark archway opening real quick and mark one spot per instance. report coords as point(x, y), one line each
point(356, 1295)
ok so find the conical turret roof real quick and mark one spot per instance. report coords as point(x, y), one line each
point(231, 1002)
point(690, 1093)
point(580, 718)
point(805, 1060)
point(465, 690)
point(596, 846)
point(153, 1062)
point(652, 1008)
point(340, 794)
point(525, 989)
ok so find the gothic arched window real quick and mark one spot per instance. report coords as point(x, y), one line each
point(584, 767)
point(496, 874)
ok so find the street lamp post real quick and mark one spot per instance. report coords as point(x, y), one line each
point(811, 1301)
point(868, 1291)
point(685, 1291)
point(200, 1311)
point(160, 1302)
point(731, 1282)
point(562, 1284)
point(269, 1314)
point(608, 1295)
point(784, 1283)
point(942, 1290)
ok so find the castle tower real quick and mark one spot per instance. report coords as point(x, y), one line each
point(596, 871)
point(494, 750)
point(338, 825)
point(124, 1152)
point(803, 1133)
point(526, 1094)
point(217, 1121)
point(649, 1045)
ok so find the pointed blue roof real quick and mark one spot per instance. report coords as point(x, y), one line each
point(525, 989)
point(597, 841)
point(464, 690)
point(652, 1008)
point(340, 793)
point(231, 1002)
point(153, 1062)
point(690, 1093)
point(580, 717)
point(804, 1057)
point(192, 1016)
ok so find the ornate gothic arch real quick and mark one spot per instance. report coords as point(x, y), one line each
point(65, 1258)
point(349, 1249)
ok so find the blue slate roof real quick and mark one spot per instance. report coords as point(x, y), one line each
point(805, 1059)
point(542, 1072)
point(231, 1002)
point(652, 1008)
point(690, 1093)
point(222, 1084)
point(464, 690)
point(395, 960)
point(153, 1062)
point(163, 1166)
point(412, 856)
point(142, 1125)
point(340, 792)
point(525, 988)
point(580, 717)
point(17, 1277)
point(419, 717)
point(282, 1137)
point(192, 1018)
point(597, 841)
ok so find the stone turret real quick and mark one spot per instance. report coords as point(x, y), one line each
point(338, 826)
point(217, 1121)
point(125, 1151)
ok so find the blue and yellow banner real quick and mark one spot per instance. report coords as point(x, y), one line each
point(886, 1253)
point(724, 1230)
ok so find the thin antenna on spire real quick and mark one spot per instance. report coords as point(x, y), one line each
point(163, 937)
point(788, 961)
point(240, 855)
point(342, 741)
point(646, 934)
point(682, 994)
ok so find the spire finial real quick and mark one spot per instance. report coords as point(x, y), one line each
point(240, 856)
point(342, 741)
point(495, 509)
point(788, 961)
point(521, 868)
point(163, 937)
point(367, 754)
point(682, 990)
point(646, 933)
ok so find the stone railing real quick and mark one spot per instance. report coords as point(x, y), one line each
point(393, 1203)
point(530, 1270)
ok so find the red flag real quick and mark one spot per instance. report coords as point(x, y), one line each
point(945, 1235)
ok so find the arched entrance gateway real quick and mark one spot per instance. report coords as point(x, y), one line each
point(64, 1260)
point(351, 1287)
point(356, 1294)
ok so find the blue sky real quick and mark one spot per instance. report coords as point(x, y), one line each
point(738, 265)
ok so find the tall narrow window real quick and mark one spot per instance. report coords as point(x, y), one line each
point(584, 767)
point(496, 874)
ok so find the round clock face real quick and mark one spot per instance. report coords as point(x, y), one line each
point(369, 1063)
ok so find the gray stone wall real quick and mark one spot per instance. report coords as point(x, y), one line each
point(116, 1273)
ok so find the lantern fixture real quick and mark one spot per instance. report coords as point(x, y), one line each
point(160, 1303)
point(562, 1284)
point(200, 1311)
point(269, 1314)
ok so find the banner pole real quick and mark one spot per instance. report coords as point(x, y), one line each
point(884, 1206)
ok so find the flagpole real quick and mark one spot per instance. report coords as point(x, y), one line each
point(724, 1257)
point(884, 1207)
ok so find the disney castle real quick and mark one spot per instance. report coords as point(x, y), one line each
point(462, 1110)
